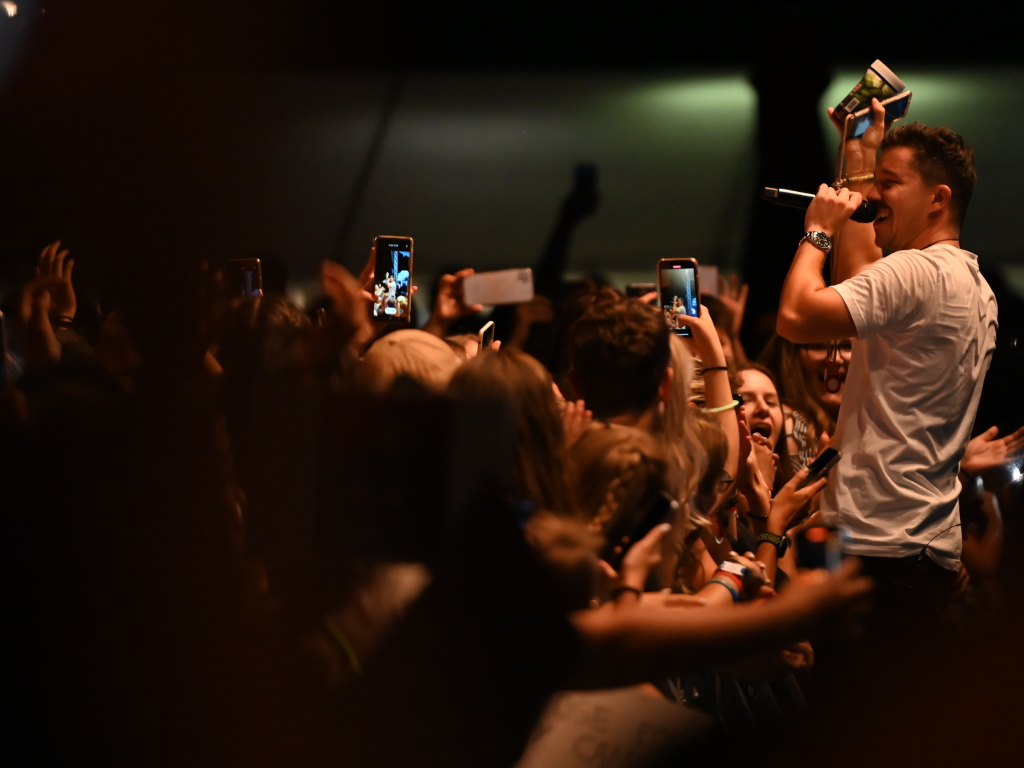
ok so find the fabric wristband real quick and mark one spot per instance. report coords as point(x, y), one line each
point(724, 583)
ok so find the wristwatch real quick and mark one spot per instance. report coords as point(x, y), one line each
point(819, 240)
point(781, 542)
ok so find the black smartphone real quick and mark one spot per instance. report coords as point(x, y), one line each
point(392, 279)
point(243, 277)
point(620, 540)
point(821, 465)
point(678, 293)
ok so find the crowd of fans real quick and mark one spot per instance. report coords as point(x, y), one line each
point(238, 533)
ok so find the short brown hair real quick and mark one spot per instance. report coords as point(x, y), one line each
point(941, 156)
point(618, 354)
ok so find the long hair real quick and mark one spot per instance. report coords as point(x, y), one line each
point(785, 470)
point(517, 378)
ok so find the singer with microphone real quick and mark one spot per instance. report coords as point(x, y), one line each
point(924, 324)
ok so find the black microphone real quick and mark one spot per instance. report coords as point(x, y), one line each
point(865, 213)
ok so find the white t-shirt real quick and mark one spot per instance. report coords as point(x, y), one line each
point(926, 329)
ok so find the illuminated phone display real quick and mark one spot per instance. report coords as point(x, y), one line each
point(392, 279)
point(678, 293)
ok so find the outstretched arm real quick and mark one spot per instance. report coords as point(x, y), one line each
point(650, 641)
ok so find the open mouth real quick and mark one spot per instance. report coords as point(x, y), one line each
point(833, 385)
point(764, 429)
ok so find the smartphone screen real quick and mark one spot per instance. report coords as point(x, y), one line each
point(392, 279)
point(678, 293)
point(243, 277)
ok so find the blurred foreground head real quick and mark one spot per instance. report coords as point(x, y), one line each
point(519, 381)
point(407, 354)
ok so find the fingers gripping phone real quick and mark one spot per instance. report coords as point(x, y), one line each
point(821, 465)
point(392, 279)
point(678, 293)
point(628, 532)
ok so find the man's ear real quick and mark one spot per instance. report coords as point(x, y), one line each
point(667, 385)
point(941, 197)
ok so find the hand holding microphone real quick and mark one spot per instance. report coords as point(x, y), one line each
point(864, 213)
point(830, 209)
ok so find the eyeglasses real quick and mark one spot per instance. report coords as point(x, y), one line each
point(820, 349)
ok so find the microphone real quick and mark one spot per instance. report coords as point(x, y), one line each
point(865, 212)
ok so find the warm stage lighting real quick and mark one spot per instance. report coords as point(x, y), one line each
point(11, 8)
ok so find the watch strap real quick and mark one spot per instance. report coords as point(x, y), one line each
point(781, 542)
point(819, 240)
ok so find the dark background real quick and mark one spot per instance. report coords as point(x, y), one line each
point(151, 132)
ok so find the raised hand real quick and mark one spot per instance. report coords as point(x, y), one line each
point(758, 466)
point(734, 297)
point(861, 152)
point(637, 562)
point(986, 451)
point(54, 270)
point(830, 209)
point(450, 303)
point(33, 329)
point(790, 500)
point(349, 319)
point(576, 420)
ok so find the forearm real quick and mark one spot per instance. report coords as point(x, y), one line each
point(769, 555)
point(647, 642)
point(718, 394)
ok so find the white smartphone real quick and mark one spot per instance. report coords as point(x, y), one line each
point(486, 335)
point(506, 286)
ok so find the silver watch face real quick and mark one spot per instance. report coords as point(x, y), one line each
point(819, 240)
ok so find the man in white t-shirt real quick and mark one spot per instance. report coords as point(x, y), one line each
point(924, 322)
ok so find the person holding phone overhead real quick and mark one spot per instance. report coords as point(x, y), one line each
point(924, 322)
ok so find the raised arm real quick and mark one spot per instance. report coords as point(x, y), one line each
point(810, 311)
point(856, 247)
